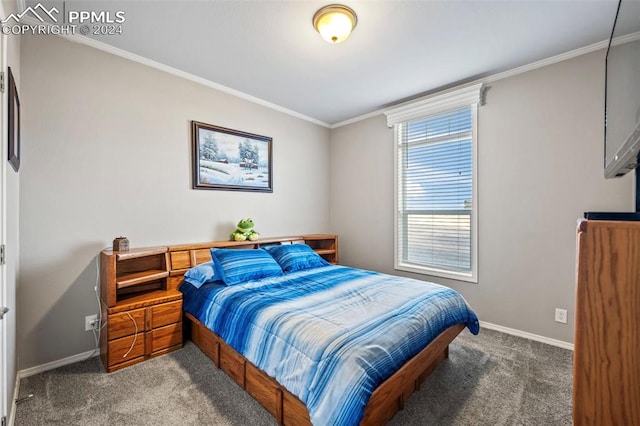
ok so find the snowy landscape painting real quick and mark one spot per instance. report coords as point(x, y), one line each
point(227, 159)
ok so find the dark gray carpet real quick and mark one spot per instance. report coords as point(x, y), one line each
point(489, 379)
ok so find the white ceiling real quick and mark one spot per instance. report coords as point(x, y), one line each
point(399, 49)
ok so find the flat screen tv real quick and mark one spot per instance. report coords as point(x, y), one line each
point(622, 93)
point(622, 104)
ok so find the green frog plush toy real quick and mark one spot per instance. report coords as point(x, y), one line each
point(245, 231)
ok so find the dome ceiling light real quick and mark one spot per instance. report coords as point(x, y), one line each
point(335, 22)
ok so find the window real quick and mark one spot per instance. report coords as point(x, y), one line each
point(436, 220)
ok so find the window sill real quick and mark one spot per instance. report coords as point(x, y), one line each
point(471, 277)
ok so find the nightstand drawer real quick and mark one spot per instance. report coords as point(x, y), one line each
point(164, 314)
point(122, 324)
point(163, 337)
point(119, 347)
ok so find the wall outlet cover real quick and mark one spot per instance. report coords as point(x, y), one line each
point(90, 322)
point(561, 315)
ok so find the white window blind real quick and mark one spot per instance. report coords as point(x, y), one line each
point(435, 199)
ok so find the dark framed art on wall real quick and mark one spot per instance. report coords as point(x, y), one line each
point(14, 124)
point(230, 160)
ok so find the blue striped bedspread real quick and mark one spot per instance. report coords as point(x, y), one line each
point(330, 335)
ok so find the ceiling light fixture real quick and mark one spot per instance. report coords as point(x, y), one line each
point(335, 22)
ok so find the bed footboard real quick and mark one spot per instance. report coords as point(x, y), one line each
point(390, 396)
point(385, 401)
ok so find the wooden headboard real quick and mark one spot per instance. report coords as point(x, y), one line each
point(184, 256)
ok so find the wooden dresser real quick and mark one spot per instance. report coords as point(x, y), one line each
point(606, 377)
point(142, 307)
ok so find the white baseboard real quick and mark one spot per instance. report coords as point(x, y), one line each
point(12, 410)
point(58, 363)
point(40, 369)
point(526, 335)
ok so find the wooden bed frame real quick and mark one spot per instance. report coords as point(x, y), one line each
point(386, 400)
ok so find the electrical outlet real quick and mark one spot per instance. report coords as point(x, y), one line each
point(561, 315)
point(91, 322)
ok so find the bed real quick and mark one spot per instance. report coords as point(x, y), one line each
point(324, 344)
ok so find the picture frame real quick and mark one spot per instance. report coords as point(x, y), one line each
point(13, 116)
point(230, 160)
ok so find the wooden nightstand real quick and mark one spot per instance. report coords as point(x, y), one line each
point(142, 308)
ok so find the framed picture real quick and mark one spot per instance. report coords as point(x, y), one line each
point(230, 160)
point(14, 124)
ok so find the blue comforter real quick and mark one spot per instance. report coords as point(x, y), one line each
point(330, 335)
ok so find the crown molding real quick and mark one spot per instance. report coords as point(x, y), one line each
point(515, 71)
point(356, 119)
point(188, 76)
point(546, 62)
point(87, 41)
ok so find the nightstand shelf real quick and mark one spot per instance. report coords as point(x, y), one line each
point(142, 310)
point(325, 251)
point(142, 300)
point(140, 278)
point(326, 245)
point(137, 253)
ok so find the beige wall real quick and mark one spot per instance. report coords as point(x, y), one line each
point(106, 152)
point(540, 166)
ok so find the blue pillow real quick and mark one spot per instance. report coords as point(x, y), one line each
point(235, 266)
point(201, 274)
point(294, 257)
